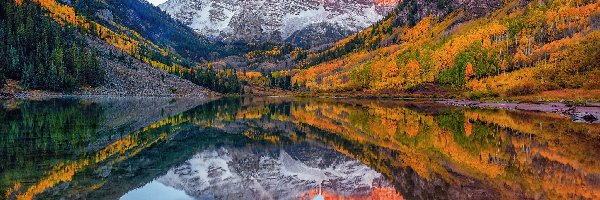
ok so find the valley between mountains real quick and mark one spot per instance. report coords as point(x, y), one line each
point(483, 50)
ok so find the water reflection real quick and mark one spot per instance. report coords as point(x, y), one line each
point(265, 148)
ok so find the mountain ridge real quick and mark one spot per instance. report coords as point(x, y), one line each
point(276, 21)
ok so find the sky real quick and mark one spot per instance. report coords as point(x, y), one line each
point(156, 190)
point(156, 2)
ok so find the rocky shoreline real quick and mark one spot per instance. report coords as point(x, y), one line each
point(583, 113)
point(588, 113)
point(50, 95)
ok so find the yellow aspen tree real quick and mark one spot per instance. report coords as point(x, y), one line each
point(468, 71)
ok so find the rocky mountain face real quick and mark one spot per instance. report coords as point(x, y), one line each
point(412, 11)
point(244, 173)
point(320, 21)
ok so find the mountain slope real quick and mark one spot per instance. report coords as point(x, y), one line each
point(71, 52)
point(406, 14)
point(152, 24)
point(277, 21)
point(128, 76)
point(488, 48)
point(40, 53)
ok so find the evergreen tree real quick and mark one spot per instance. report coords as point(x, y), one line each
point(42, 54)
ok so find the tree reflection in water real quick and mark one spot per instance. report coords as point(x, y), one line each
point(285, 148)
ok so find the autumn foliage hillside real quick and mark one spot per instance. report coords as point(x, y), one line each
point(178, 51)
point(519, 48)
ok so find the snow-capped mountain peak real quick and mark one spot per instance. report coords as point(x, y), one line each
point(277, 20)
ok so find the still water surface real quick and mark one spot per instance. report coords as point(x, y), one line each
point(280, 148)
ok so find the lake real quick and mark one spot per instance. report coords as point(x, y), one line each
point(290, 148)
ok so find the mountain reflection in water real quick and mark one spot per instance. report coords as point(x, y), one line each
point(284, 148)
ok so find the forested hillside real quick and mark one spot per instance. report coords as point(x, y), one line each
point(41, 53)
point(47, 43)
point(487, 48)
point(153, 24)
